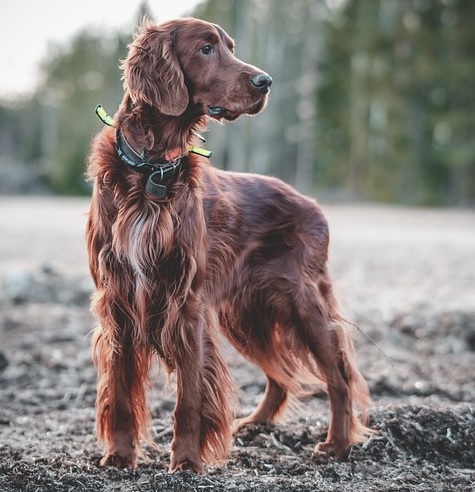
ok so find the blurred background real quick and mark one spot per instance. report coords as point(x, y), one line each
point(372, 111)
point(373, 100)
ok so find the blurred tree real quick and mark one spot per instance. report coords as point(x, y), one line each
point(372, 100)
point(395, 100)
point(55, 127)
point(78, 78)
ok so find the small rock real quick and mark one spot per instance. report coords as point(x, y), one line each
point(3, 361)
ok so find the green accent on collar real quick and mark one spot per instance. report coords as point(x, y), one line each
point(200, 151)
point(103, 116)
point(109, 121)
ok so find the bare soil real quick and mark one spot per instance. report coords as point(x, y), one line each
point(406, 277)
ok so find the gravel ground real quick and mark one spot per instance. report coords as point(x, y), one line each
point(406, 277)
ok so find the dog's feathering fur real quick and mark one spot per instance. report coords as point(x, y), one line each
point(238, 254)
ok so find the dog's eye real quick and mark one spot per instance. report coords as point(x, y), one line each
point(207, 50)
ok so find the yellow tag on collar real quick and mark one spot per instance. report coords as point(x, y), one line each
point(200, 151)
point(103, 116)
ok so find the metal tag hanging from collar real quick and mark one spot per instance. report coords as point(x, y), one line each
point(154, 187)
point(154, 184)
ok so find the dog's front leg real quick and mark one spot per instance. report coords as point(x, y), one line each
point(189, 371)
point(122, 417)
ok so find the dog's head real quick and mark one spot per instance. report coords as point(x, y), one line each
point(189, 64)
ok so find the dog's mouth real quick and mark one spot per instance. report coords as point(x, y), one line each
point(220, 112)
point(216, 111)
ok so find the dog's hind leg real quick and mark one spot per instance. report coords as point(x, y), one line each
point(249, 331)
point(298, 338)
point(322, 331)
point(269, 408)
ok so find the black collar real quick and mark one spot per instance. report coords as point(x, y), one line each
point(159, 169)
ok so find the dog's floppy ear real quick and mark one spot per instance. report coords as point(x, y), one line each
point(152, 73)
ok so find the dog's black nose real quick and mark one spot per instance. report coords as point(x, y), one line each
point(262, 82)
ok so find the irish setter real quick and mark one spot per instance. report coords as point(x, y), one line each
point(180, 251)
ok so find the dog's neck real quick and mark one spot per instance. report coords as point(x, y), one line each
point(145, 127)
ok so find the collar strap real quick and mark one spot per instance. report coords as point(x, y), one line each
point(132, 158)
point(159, 170)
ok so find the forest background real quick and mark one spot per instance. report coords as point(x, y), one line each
point(373, 100)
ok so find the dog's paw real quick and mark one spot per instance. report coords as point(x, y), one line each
point(330, 448)
point(118, 461)
point(238, 424)
point(186, 463)
point(241, 423)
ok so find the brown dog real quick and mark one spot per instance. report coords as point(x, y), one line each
point(180, 251)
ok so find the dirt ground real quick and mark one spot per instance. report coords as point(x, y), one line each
point(406, 277)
